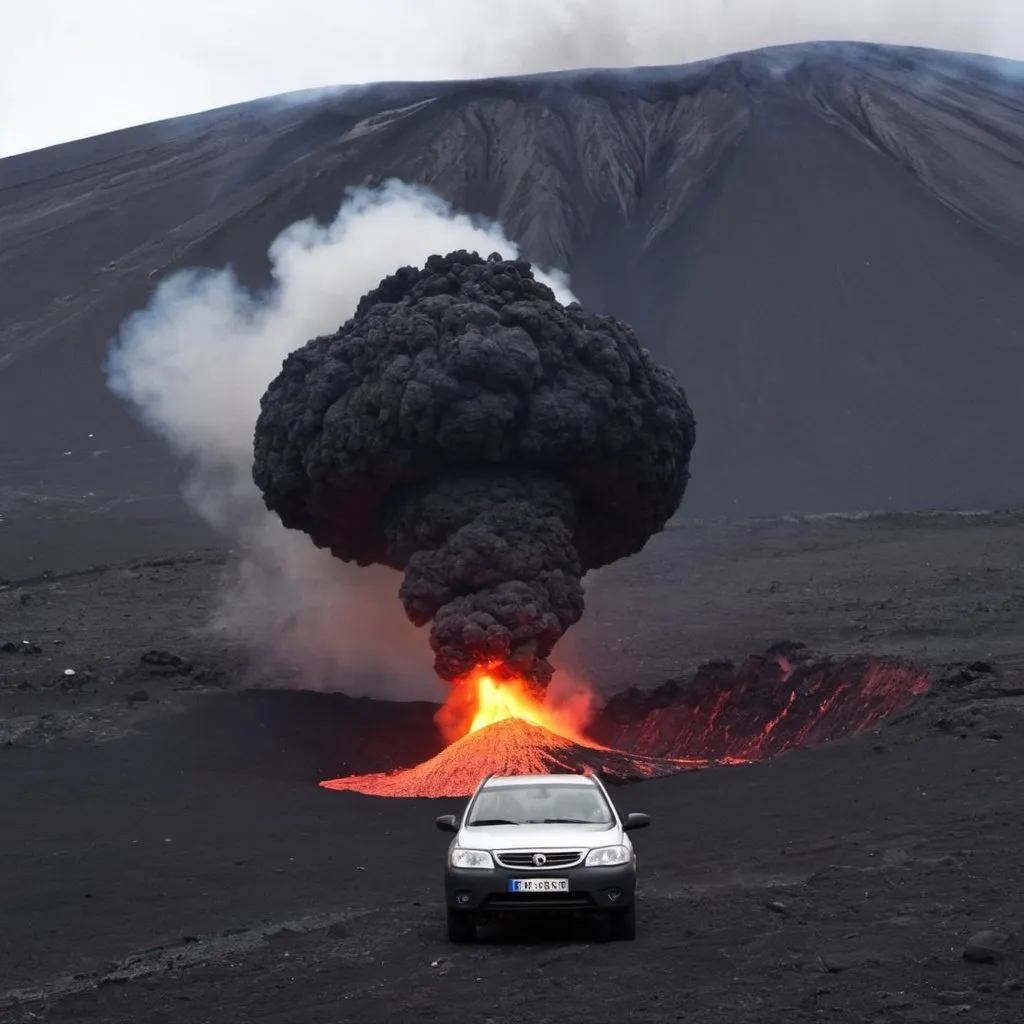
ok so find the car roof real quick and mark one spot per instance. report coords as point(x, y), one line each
point(499, 781)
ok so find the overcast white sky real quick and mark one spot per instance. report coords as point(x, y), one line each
point(73, 68)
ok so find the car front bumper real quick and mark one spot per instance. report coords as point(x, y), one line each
point(600, 888)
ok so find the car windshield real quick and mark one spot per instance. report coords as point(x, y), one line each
point(544, 803)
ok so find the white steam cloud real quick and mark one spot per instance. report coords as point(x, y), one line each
point(196, 362)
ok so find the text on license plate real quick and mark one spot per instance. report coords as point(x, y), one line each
point(538, 885)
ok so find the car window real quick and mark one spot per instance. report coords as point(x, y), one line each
point(546, 803)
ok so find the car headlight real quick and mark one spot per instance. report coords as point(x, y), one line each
point(608, 856)
point(460, 858)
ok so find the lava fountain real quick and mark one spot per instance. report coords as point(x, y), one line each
point(493, 693)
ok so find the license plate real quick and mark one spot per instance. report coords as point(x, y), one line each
point(538, 885)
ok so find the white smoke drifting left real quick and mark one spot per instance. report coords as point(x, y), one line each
point(195, 364)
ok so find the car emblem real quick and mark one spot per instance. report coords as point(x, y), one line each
point(539, 860)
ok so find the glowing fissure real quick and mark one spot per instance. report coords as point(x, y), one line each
point(770, 727)
point(765, 708)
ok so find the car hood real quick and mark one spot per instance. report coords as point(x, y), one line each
point(539, 837)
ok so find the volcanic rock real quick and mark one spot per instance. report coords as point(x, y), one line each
point(987, 947)
point(25, 647)
point(508, 747)
point(954, 997)
point(165, 663)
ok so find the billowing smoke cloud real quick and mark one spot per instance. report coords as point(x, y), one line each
point(196, 362)
point(467, 427)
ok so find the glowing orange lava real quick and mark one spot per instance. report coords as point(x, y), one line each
point(510, 746)
point(768, 707)
point(496, 702)
point(511, 698)
point(496, 723)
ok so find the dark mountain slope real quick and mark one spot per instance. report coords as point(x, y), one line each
point(71, 211)
point(827, 242)
point(847, 342)
point(952, 121)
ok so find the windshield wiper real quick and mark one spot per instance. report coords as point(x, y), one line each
point(568, 821)
point(492, 821)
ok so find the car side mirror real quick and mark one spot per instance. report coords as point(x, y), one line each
point(635, 821)
point(448, 823)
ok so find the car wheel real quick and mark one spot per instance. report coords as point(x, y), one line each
point(623, 924)
point(461, 927)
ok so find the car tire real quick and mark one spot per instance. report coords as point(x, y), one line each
point(623, 924)
point(461, 927)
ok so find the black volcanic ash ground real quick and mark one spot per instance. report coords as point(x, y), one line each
point(834, 883)
point(467, 428)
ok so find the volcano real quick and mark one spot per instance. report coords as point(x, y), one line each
point(828, 244)
point(819, 239)
point(511, 746)
point(724, 714)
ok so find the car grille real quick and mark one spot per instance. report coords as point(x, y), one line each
point(539, 901)
point(524, 859)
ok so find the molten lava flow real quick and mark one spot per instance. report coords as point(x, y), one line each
point(510, 746)
point(496, 724)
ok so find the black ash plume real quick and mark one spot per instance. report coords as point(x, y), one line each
point(467, 428)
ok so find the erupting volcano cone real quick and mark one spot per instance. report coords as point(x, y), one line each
point(511, 746)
